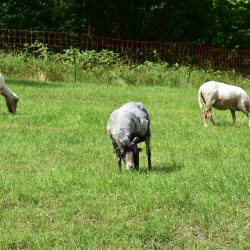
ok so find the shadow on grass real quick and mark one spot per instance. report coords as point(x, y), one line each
point(6, 113)
point(168, 168)
point(164, 168)
point(227, 125)
point(33, 83)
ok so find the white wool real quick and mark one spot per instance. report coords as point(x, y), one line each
point(10, 97)
point(223, 96)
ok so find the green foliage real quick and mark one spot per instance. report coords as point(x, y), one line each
point(224, 23)
point(60, 187)
point(90, 58)
point(35, 61)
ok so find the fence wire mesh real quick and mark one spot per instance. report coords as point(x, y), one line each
point(68, 56)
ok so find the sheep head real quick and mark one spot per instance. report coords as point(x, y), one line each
point(128, 152)
point(11, 102)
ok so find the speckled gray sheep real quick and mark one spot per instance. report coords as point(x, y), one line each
point(128, 126)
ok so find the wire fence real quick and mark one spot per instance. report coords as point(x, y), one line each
point(59, 56)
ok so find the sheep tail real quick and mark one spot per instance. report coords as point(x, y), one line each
point(201, 99)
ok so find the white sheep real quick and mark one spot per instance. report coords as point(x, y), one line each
point(10, 97)
point(127, 126)
point(223, 96)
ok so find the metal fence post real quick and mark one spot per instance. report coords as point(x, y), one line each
point(75, 64)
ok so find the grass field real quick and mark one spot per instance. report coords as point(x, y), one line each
point(60, 187)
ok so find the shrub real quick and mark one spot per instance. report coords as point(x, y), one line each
point(35, 61)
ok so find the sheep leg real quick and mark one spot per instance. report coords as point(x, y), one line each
point(136, 160)
point(211, 117)
point(207, 115)
point(233, 116)
point(119, 163)
point(205, 119)
point(248, 115)
point(148, 151)
point(117, 152)
point(244, 110)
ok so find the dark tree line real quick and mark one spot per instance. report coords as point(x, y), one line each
point(224, 23)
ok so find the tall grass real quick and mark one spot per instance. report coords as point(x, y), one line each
point(37, 63)
point(60, 187)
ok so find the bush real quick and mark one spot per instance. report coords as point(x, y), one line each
point(37, 62)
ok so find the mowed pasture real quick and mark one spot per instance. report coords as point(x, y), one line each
point(60, 186)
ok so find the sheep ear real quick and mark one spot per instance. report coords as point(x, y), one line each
point(17, 98)
point(118, 151)
point(135, 140)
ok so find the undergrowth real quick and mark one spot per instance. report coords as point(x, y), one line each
point(38, 63)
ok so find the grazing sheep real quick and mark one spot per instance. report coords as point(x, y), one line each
point(127, 126)
point(223, 96)
point(10, 97)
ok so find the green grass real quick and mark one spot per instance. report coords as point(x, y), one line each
point(60, 187)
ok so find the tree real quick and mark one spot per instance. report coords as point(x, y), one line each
point(224, 23)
